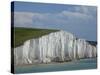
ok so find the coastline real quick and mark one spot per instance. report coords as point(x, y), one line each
point(66, 66)
point(57, 63)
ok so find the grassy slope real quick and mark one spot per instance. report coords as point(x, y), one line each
point(23, 34)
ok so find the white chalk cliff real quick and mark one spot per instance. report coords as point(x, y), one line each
point(55, 47)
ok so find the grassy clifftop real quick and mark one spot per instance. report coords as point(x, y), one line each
point(23, 34)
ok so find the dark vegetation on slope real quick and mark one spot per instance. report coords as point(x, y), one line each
point(20, 34)
point(94, 43)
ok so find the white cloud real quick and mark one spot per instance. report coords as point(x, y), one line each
point(78, 21)
point(47, 19)
point(23, 18)
point(89, 10)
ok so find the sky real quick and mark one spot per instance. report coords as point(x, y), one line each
point(77, 19)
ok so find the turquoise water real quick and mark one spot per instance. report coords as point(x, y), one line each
point(74, 65)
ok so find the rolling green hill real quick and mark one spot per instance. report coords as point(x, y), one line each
point(20, 34)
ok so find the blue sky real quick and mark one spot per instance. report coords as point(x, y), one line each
point(77, 19)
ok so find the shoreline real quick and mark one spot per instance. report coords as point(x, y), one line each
point(51, 63)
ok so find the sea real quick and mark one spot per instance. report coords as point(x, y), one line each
point(82, 64)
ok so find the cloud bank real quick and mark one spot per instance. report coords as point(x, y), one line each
point(80, 20)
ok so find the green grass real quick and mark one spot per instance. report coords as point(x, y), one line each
point(23, 34)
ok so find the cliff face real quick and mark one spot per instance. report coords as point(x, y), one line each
point(55, 47)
